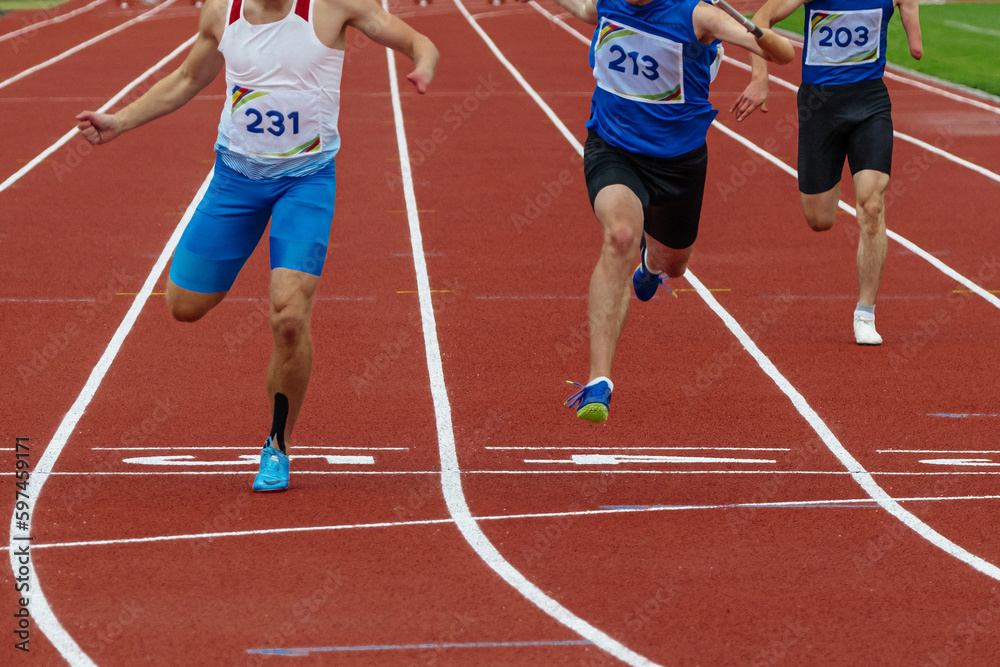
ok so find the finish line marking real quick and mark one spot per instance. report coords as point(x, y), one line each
point(619, 509)
point(655, 449)
point(245, 459)
point(616, 459)
point(413, 647)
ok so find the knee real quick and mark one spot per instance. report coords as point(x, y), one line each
point(184, 312)
point(289, 326)
point(870, 214)
point(622, 240)
point(820, 221)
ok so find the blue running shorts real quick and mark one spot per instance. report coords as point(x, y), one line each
point(231, 219)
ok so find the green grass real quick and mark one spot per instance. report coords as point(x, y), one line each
point(11, 5)
point(953, 49)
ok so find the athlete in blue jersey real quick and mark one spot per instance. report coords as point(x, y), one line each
point(645, 158)
point(844, 112)
point(275, 160)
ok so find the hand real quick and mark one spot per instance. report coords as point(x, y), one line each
point(420, 78)
point(97, 128)
point(750, 99)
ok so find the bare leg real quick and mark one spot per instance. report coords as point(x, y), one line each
point(620, 213)
point(662, 259)
point(188, 306)
point(292, 294)
point(821, 209)
point(870, 186)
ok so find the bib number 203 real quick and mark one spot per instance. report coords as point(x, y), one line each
point(650, 68)
point(843, 36)
point(276, 126)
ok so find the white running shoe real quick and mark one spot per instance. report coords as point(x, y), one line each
point(864, 332)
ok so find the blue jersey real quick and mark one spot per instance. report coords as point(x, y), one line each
point(652, 77)
point(845, 41)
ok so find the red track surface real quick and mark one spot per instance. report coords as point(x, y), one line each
point(509, 241)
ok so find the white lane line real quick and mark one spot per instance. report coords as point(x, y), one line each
point(40, 609)
point(860, 475)
point(992, 175)
point(451, 474)
point(909, 245)
point(791, 86)
point(618, 459)
point(625, 509)
point(655, 449)
point(939, 451)
point(14, 178)
point(242, 449)
point(925, 82)
point(560, 471)
point(57, 19)
point(971, 28)
point(83, 45)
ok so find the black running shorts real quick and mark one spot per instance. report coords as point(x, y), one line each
point(852, 121)
point(670, 189)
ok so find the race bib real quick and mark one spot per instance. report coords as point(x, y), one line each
point(638, 66)
point(276, 124)
point(844, 38)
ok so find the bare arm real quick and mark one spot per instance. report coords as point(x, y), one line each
point(909, 14)
point(383, 28)
point(172, 92)
point(713, 23)
point(755, 94)
point(585, 10)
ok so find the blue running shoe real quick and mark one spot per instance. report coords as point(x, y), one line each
point(273, 474)
point(591, 402)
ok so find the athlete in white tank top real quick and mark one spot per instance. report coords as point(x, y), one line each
point(278, 132)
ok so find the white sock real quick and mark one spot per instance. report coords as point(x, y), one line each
point(611, 385)
point(645, 260)
point(864, 312)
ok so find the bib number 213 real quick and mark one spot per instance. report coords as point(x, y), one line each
point(650, 68)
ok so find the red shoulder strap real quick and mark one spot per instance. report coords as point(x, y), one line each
point(302, 9)
point(234, 11)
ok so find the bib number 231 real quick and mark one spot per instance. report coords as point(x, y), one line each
point(275, 124)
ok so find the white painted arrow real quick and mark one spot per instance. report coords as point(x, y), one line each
point(245, 459)
point(615, 459)
point(981, 463)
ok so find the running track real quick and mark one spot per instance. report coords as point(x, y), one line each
point(727, 513)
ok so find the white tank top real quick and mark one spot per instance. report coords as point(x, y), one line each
point(280, 117)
